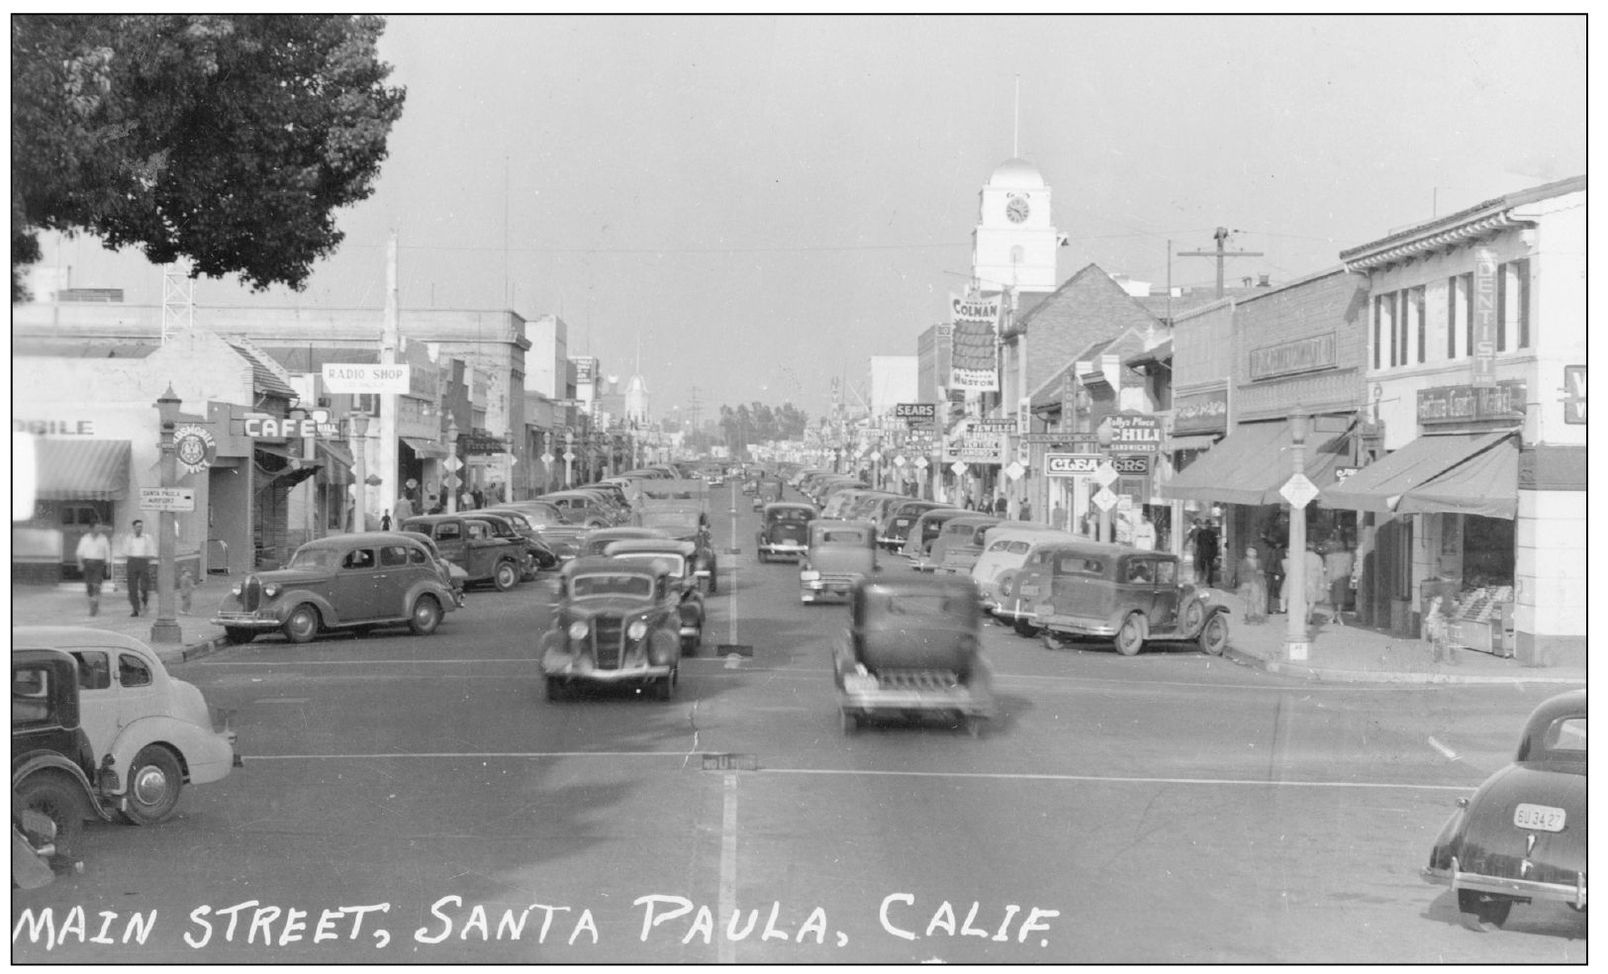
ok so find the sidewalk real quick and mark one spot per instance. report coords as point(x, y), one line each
point(1349, 654)
point(67, 605)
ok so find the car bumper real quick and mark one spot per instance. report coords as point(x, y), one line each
point(572, 668)
point(856, 696)
point(1074, 626)
point(1572, 893)
point(816, 588)
point(1013, 611)
point(246, 620)
point(784, 549)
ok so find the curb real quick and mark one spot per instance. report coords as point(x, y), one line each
point(194, 651)
point(1321, 674)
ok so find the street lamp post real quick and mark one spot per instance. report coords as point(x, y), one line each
point(1297, 639)
point(452, 451)
point(166, 627)
point(358, 433)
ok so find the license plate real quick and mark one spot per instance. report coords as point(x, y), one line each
point(1539, 818)
point(856, 683)
point(1028, 591)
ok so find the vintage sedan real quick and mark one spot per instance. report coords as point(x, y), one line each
point(583, 508)
point(767, 491)
point(617, 623)
point(959, 542)
point(686, 522)
point(536, 553)
point(912, 648)
point(894, 528)
point(597, 542)
point(840, 554)
point(345, 581)
point(784, 530)
point(1129, 595)
point(919, 539)
point(1522, 836)
point(474, 546)
point(1005, 547)
point(679, 559)
point(98, 728)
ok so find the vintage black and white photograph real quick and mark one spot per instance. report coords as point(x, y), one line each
point(798, 489)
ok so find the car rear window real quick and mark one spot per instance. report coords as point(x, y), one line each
point(1005, 546)
point(588, 586)
point(844, 537)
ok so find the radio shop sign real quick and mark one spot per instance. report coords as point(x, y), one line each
point(369, 378)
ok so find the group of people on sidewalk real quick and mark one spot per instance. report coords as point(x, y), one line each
point(1327, 576)
point(94, 558)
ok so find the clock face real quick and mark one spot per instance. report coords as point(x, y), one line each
point(1016, 209)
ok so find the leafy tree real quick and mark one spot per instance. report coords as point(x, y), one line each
point(227, 139)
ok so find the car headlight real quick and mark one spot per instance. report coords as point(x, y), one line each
point(577, 630)
point(808, 575)
point(236, 589)
point(271, 590)
point(637, 630)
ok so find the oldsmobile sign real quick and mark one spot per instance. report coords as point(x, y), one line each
point(1289, 358)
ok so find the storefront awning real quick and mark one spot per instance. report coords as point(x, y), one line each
point(426, 449)
point(1486, 484)
point(338, 462)
point(1380, 485)
point(1200, 442)
point(81, 469)
point(1253, 462)
point(288, 471)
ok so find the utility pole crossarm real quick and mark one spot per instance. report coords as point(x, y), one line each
point(1221, 236)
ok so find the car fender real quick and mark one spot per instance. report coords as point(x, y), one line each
point(204, 754)
point(1122, 617)
point(442, 593)
point(31, 764)
point(287, 601)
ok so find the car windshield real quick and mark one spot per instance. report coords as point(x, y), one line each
point(1009, 547)
point(790, 514)
point(843, 537)
point(670, 562)
point(315, 558)
point(907, 604)
point(590, 586)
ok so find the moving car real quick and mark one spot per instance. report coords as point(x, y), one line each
point(536, 553)
point(912, 648)
point(784, 529)
point(686, 521)
point(767, 491)
point(597, 542)
point(840, 554)
point(678, 558)
point(617, 623)
point(1128, 594)
point(1522, 836)
point(473, 545)
point(98, 728)
point(345, 581)
point(954, 532)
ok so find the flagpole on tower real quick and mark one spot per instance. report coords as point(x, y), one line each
point(1016, 121)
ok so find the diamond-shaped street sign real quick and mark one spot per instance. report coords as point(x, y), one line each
point(921, 462)
point(547, 458)
point(569, 456)
point(876, 455)
point(1104, 474)
point(1015, 470)
point(450, 481)
point(958, 467)
point(1299, 490)
point(899, 461)
point(1105, 500)
point(452, 463)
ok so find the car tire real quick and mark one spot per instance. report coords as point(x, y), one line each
point(1192, 616)
point(60, 799)
point(506, 576)
point(154, 783)
point(302, 625)
point(238, 635)
point(426, 615)
point(1130, 639)
point(1024, 628)
point(1213, 637)
point(1493, 910)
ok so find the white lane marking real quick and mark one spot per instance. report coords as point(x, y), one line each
point(284, 700)
point(1445, 751)
point(429, 755)
point(728, 864)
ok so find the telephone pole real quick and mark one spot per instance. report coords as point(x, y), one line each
point(1220, 236)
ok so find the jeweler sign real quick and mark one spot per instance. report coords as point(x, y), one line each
point(366, 378)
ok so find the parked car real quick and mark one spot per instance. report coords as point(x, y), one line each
point(452, 576)
point(1521, 837)
point(1128, 594)
point(784, 529)
point(960, 543)
point(561, 537)
point(617, 623)
point(912, 647)
point(1005, 546)
point(840, 554)
point(925, 529)
point(513, 525)
point(345, 581)
point(948, 531)
point(581, 508)
point(1020, 588)
point(597, 542)
point(767, 491)
point(678, 557)
point(99, 728)
point(473, 545)
point(892, 531)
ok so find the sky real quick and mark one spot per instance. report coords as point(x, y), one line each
point(763, 202)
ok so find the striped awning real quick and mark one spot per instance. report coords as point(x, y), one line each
point(425, 449)
point(81, 469)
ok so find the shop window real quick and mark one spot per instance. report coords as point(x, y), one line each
point(1487, 551)
point(1459, 314)
point(1513, 304)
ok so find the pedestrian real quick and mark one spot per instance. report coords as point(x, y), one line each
point(1274, 564)
point(1437, 631)
point(141, 549)
point(404, 508)
point(1144, 535)
point(1337, 565)
point(466, 500)
point(1000, 505)
point(1253, 587)
point(186, 591)
point(94, 555)
point(478, 496)
point(1058, 517)
point(1027, 510)
point(385, 520)
point(1206, 553)
point(1317, 588)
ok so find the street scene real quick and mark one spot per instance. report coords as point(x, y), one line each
point(690, 498)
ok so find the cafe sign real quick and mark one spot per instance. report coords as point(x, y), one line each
point(1454, 405)
point(1289, 358)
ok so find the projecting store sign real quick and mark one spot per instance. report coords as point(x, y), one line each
point(1135, 433)
point(366, 378)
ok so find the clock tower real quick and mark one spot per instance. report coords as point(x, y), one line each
point(1014, 243)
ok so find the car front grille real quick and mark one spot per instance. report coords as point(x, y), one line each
point(251, 594)
point(929, 680)
point(608, 638)
point(845, 578)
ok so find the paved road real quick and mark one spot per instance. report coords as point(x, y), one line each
point(417, 799)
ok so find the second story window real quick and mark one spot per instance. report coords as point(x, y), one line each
point(1513, 305)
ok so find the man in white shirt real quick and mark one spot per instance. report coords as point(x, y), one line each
point(141, 554)
point(94, 555)
point(1144, 534)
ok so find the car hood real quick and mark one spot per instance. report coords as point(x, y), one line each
point(1490, 844)
point(292, 576)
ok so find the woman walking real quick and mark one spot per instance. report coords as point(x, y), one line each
point(1253, 587)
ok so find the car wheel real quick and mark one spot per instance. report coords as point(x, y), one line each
point(302, 625)
point(59, 799)
point(154, 783)
point(506, 576)
point(665, 688)
point(426, 615)
point(1486, 909)
point(238, 636)
point(1129, 639)
point(1193, 614)
point(1050, 640)
point(1214, 637)
point(1024, 628)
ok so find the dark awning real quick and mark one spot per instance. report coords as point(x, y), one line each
point(1380, 485)
point(1487, 484)
point(1200, 441)
point(426, 449)
point(286, 470)
point(1253, 462)
point(81, 469)
point(338, 465)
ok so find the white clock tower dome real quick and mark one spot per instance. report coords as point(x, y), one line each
point(1014, 243)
